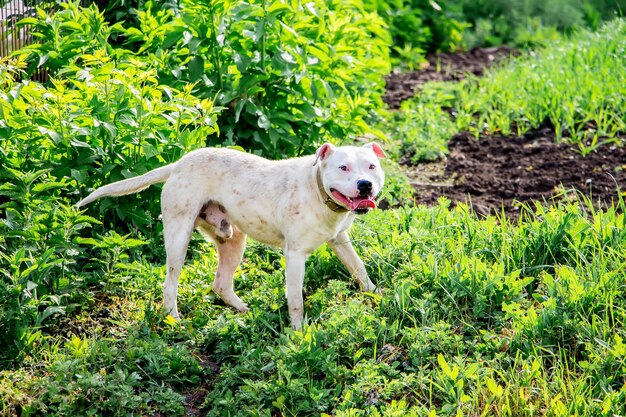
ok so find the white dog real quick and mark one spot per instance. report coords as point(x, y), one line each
point(297, 204)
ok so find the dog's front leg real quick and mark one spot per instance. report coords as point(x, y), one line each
point(343, 249)
point(294, 273)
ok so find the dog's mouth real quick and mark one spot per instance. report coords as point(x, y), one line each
point(358, 204)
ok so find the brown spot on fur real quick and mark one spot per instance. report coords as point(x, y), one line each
point(220, 240)
point(293, 191)
point(205, 205)
point(221, 208)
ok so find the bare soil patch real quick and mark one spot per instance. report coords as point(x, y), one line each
point(443, 67)
point(495, 173)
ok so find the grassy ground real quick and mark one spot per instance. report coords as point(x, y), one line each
point(477, 317)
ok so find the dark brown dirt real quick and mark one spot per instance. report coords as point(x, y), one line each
point(495, 172)
point(195, 398)
point(443, 67)
point(194, 401)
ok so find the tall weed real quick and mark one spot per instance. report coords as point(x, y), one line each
point(40, 258)
point(104, 122)
point(99, 120)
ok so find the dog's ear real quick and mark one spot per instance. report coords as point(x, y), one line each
point(378, 150)
point(324, 151)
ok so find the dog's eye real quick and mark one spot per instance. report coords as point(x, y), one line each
point(372, 166)
point(343, 167)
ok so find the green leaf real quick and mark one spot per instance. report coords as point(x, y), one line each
point(277, 7)
point(196, 68)
point(263, 122)
point(55, 136)
point(49, 311)
point(46, 186)
point(322, 55)
point(87, 241)
point(42, 60)
point(171, 38)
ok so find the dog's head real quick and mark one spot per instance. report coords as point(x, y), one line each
point(352, 175)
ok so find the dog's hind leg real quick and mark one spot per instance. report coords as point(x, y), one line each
point(177, 232)
point(230, 254)
point(178, 226)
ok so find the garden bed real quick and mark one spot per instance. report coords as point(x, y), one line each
point(496, 172)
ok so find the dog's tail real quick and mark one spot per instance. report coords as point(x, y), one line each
point(129, 186)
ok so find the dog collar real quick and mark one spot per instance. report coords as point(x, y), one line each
point(330, 203)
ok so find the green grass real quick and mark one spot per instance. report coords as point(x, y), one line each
point(577, 86)
point(477, 317)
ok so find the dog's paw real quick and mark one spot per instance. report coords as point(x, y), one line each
point(369, 287)
point(297, 326)
point(379, 291)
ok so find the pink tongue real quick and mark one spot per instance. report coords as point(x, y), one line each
point(361, 204)
point(355, 203)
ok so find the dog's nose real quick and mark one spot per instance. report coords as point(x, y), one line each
point(364, 187)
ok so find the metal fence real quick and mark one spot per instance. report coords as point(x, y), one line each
point(13, 37)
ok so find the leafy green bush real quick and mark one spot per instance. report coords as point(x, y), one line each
point(100, 120)
point(39, 257)
point(531, 23)
point(106, 121)
point(289, 76)
point(418, 27)
point(63, 35)
point(286, 77)
point(496, 22)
